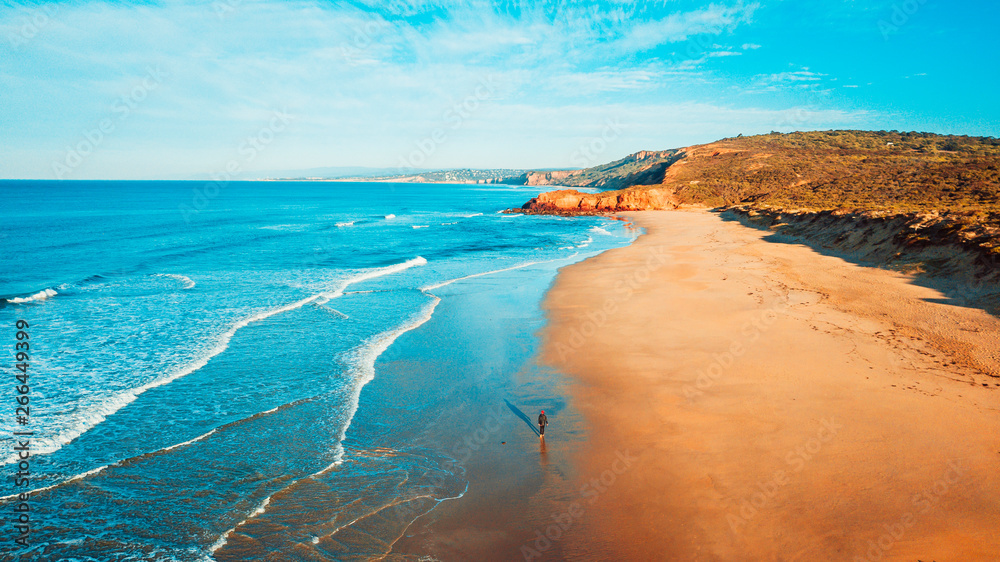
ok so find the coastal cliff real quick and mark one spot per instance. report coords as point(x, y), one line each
point(573, 202)
point(831, 170)
point(916, 202)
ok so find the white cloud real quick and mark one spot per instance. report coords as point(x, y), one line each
point(363, 86)
point(679, 27)
point(790, 77)
point(604, 81)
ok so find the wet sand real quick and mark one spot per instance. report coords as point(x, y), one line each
point(745, 399)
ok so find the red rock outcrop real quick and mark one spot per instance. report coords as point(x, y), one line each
point(572, 202)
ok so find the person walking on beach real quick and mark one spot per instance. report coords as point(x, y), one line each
point(542, 422)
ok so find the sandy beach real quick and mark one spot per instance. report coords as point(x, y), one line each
point(773, 403)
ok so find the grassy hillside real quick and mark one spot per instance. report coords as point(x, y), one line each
point(847, 170)
point(944, 189)
point(636, 169)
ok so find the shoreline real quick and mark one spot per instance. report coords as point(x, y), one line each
point(487, 428)
point(775, 403)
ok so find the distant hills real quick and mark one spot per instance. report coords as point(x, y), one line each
point(465, 175)
point(639, 168)
point(643, 167)
point(327, 173)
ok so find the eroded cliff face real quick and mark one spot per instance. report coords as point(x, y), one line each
point(548, 178)
point(573, 202)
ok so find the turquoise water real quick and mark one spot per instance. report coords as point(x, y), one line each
point(200, 355)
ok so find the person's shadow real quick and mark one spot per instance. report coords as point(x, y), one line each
point(523, 416)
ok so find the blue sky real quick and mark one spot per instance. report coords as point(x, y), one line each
point(182, 89)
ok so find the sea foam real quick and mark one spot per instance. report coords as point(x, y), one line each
point(188, 283)
point(39, 296)
point(87, 420)
point(362, 361)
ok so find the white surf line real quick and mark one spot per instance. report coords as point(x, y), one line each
point(387, 506)
point(221, 542)
point(437, 502)
point(224, 538)
point(364, 371)
point(384, 340)
point(160, 451)
point(366, 356)
point(64, 482)
point(101, 468)
point(364, 366)
point(333, 311)
point(188, 442)
point(428, 288)
point(188, 283)
point(260, 509)
point(124, 398)
point(39, 296)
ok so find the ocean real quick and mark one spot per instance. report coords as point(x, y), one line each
point(263, 370)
